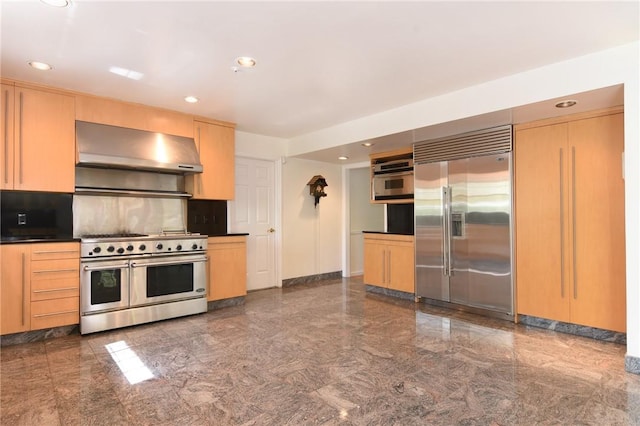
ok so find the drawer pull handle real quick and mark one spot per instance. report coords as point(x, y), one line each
point(24, 287)
point(6, 136)
point(56, 289)
point(55, 313)
point(55, 251)
point(47, 271)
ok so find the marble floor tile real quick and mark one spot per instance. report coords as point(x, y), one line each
point(322, 353)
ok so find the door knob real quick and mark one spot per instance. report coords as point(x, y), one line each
point(270, 230)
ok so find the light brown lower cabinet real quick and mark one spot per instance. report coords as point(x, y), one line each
point(15, 303)
point(389, 261)
point(227, 267)
point(569, 210)
point(40, 286)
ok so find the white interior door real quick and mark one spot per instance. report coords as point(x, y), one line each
point(253, 212)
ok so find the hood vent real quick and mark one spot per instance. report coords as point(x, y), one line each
point(473, 144)
point(101, 145)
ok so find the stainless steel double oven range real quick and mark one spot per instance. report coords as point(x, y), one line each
point(128, 279)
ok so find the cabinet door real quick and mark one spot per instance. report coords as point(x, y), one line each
point(597, 219)
point(542, 234)
point(401, 267)
point(375, 258)
point(14, 288)
point(44, 141)
point(216, 145)
point(6, 132)
point(227, 269)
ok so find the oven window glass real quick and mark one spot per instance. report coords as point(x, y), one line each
point(170, 279)
point(106, 286)
point(394, 184)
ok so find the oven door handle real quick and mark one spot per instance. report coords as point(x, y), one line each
point(168, 262)
point(105, 268)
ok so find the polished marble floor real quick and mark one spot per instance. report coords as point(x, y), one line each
point(328, 354)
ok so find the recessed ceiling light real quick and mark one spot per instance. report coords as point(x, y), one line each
point(40, 65)
point(56, 3)
point(342, 157)
point(367, 144)
point(246, 61)
point(191, 99)
point(566, 104)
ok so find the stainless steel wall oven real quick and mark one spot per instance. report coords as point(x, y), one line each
point(393, 180)
point(132, 279)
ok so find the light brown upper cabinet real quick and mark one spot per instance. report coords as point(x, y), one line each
point(216, 145)
point(38, 140)
point(569, 209)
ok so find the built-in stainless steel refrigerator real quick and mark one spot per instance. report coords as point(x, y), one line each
point(463, 223)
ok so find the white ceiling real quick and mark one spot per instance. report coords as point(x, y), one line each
point(318, 63)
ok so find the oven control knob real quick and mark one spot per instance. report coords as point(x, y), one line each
point(178, 247)
point(129, 247)
point(97, 250)
point(159, 246)
point(120, 250)
point(194, 247)
point(110, 249)
point(142, 247)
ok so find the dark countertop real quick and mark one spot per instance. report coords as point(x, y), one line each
point(23, 240)
point(15, 240)
point(386, 233)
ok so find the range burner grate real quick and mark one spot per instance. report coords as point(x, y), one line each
point(121, 235)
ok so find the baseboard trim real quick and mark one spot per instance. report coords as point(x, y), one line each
point(225, 303)
point(38, 335)
point(632, 364)
point(289, 282)
point(575, 329)
point(388, 292)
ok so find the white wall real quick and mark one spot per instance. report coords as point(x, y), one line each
point(311, 236)
point(363, 216)
point(251, 145)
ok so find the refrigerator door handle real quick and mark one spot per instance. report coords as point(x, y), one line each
point(446, 229)
point(445, 251)
point(449, 229)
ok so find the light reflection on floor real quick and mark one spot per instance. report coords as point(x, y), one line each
point(129, 363)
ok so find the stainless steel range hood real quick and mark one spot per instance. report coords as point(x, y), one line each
point(101, 145)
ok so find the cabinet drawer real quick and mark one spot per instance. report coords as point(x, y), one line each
point(54, 251)
point(55, 313)
point(62, 266)
point(54, 279)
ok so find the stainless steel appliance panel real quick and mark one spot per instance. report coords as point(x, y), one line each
point(431, 278)
point(167, 278)
point(480, 232)
point(105, 285)
point(393, 186)
point(141, 315)
point(463, 232)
